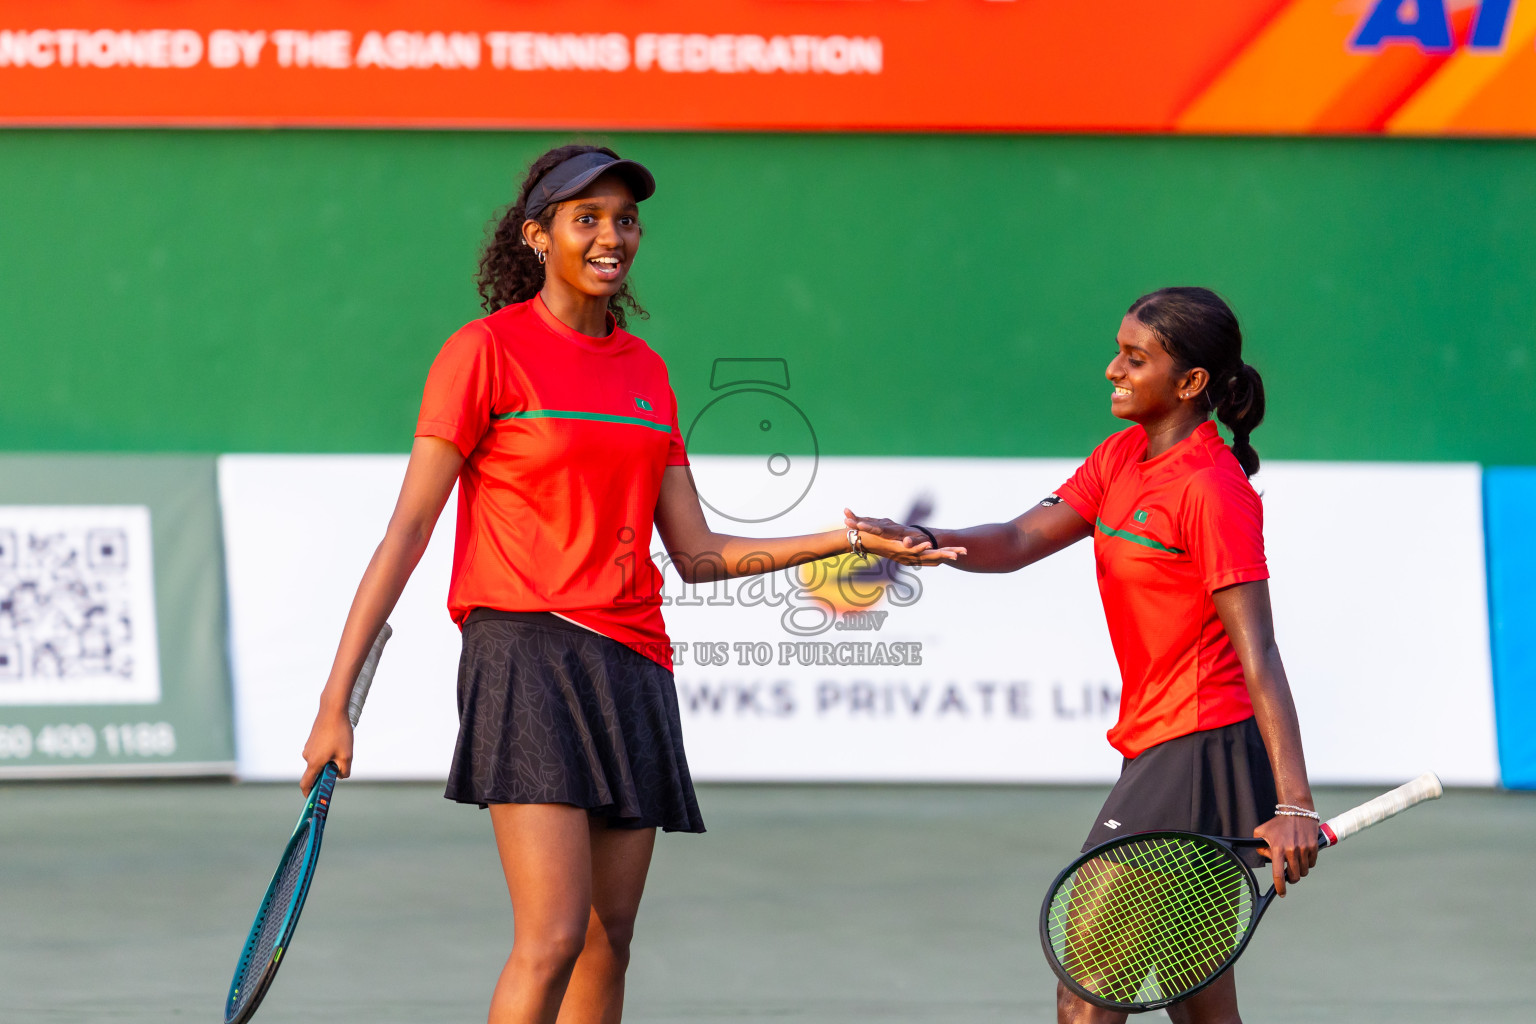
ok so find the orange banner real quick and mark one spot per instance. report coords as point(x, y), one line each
point(1222, 66)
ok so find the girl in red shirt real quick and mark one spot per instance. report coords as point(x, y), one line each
point(1207, 726)
point(560, 429)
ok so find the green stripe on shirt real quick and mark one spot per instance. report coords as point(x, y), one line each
point(596, 417)
point(1136, 538)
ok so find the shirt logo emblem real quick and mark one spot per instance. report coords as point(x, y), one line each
point(642, 405)
point(1142, 515)
point(1111, 823)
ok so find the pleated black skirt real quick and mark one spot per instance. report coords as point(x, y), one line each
point(1217, 782)
point(551, 712)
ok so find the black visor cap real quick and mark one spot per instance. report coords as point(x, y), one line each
point(568, 178)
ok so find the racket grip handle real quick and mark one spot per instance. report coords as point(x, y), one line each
point(365, 674)
point(1340, 828)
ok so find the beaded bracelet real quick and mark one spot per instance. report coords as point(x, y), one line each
point(1295, 811)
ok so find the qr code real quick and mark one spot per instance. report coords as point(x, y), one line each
point(77, 622)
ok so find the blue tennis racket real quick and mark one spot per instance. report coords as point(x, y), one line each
point(280, 907)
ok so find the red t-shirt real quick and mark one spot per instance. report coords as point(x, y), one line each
point(1169, 532)
point(565, 439)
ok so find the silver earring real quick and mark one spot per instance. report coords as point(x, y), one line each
point(542, 257)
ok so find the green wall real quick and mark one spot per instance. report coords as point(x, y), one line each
point(934, 295)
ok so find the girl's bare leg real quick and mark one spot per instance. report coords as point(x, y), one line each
point(620, 860)
point(1072, 1010)
point(546, 854)
point(1214, 1005)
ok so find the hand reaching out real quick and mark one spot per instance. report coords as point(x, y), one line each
point(905, 544)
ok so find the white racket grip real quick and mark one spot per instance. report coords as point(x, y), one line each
point(1340, 828)
point(365, 674)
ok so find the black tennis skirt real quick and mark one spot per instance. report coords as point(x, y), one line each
point(1217, 782)
point(553, 713)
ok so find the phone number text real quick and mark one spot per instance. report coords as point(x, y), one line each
point(129, 739)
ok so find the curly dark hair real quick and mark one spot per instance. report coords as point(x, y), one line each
point(510, 271)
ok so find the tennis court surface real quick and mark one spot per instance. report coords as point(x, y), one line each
point(827, 905)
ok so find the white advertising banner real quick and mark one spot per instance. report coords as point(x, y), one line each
point(842, 671)
point(298, 532)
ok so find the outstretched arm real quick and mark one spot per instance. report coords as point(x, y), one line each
point(703, 556)
point(429, 478)
point(996, 547)
point(1246, 614)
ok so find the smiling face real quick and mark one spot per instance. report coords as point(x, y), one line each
point(1148, 385)
point(592, 241)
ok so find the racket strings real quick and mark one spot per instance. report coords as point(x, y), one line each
point(1127, 897)
point(1203, 921)
point(268, 929)
point(1140, 952)
point(1148, 931)
point(1154, 933)
point(1134, 944)
point(1150, 918)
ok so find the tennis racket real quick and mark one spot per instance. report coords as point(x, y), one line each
point(1151, 918)
point(280, 907)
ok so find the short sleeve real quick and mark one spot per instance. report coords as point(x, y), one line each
point(677, 453)
point(456, 403)
point(1222, 521)
point(1084, 491)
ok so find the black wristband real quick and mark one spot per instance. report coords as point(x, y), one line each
point(927, 533)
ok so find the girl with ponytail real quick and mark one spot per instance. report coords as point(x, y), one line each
point(1207, 727)
point(1200, 333)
